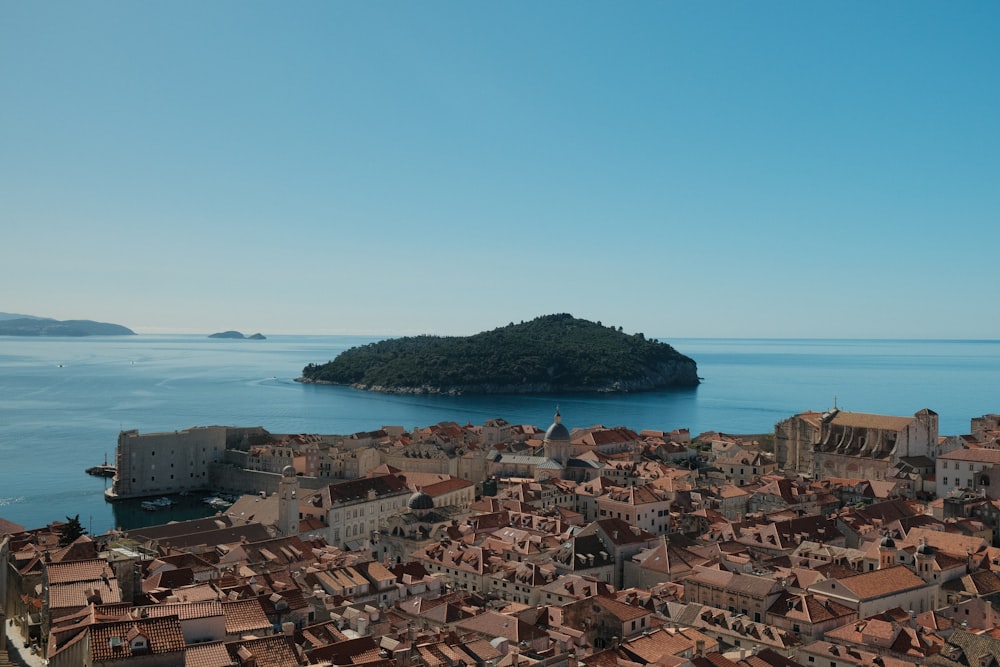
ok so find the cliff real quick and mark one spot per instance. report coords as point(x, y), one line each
point(551, 354)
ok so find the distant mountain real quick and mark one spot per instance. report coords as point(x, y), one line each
point(554, 353)
point(15, 316)
point(23, 325)
point(237, 335)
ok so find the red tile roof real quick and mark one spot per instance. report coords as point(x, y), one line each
point(244, 616)
point(207, 655)
point(125, 639)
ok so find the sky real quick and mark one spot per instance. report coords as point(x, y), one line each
point(681, 169)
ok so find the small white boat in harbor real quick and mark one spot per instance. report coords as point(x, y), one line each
point(218, 502)
point(156, 505)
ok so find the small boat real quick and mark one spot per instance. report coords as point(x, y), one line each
point(218, 502)
point(156, 505)
point(104, 470)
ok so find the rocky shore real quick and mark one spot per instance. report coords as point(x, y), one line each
point(665, 376)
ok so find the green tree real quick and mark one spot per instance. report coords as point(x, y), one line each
point(71, 531)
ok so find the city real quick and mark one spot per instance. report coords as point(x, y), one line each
point(837, 539)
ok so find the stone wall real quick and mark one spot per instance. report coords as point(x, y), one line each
point(231, 479)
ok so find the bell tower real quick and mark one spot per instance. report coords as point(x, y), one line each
point(288, 502)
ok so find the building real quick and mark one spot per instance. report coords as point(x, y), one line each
point(155, 464)
point(838, 443)
point(874, 592)
point(969, 469)
point(355, 510)
point(645, 507)
point(740, 593)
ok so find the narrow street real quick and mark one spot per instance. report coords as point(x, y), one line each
point(15, 653)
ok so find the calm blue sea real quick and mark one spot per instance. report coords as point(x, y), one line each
point(63, 401)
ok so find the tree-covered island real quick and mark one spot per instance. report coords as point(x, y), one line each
point(43, 326)
point(550, 354)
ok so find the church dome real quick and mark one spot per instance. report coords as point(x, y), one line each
point(288, 471)
point(557, 431)
point(420, 501)
point(888, 542)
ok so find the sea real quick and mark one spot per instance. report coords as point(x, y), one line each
point(63, 401)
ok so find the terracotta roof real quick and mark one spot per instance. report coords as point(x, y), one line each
point(667, 641)
point(482, 649)
point(79, 570)
point(951, 543)
point(736, 582)
point(848, 655)
point(80, 594)
point(973, 455)
point(495, 624)
point(273, 651)
point(214, 530)
point(619, 531)
point(245, 616)
point(151, 636)
point(10, 528)
point(809, 608)
point(207, 655)
point(865, 420)
point(357, 489)
point(620, 610)
point(878, 583)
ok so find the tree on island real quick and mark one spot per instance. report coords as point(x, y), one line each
point(552, 353)
point(71, 531)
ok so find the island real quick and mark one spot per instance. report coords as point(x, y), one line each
point(41, 326)
point(550, 354)
point(237, 335)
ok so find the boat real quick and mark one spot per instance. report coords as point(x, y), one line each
point(218, 502)
point(103, 470)
point(156, 505)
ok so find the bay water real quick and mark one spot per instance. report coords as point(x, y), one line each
point(63, 401)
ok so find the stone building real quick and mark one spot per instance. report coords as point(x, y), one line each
point(154, 464)
point(740, 593)
point(871, 593)
point(976, 470)
point(355, 511)
point(838, 443)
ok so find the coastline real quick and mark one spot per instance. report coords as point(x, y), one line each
point(69, 417)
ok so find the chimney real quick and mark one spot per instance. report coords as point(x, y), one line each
point(699, 648)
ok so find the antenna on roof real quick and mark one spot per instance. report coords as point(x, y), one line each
point(834, 401)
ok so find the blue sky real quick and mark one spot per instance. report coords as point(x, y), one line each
point(684, 169)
